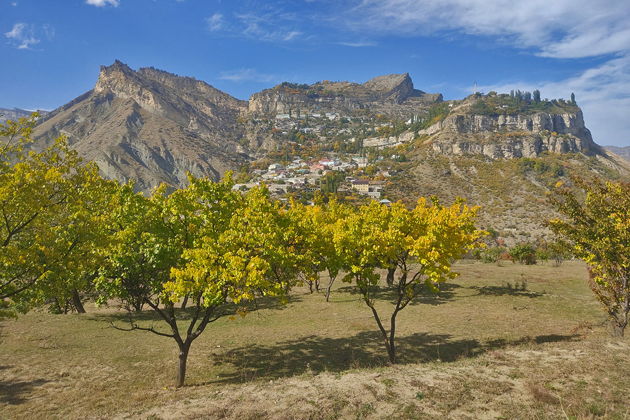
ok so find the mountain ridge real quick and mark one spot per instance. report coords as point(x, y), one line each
point(154, 126)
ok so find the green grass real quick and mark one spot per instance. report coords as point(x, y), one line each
point(481, 348)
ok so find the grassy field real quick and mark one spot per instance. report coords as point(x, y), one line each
point(508, 341)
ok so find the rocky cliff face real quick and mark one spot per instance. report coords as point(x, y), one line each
point(390, 94)
point(511, 136)
point(151, 126)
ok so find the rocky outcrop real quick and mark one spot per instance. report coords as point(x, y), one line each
point(390, 94)
point(511, 136)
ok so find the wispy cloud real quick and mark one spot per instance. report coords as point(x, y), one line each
point(22, 36)
point(215, 22)
point(562, 28)
point(103, 3)
point(358, 44)
point(267, 25)
point(247, 75)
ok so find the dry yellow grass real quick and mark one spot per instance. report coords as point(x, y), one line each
point(483, 349)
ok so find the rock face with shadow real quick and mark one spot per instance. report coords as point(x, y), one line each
point(510, 136)
point(151, 126)
point(392, 95)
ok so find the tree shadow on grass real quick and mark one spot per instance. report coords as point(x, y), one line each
point(148, 314)
point(15, 393)
point(320, 354)
point(507, 290)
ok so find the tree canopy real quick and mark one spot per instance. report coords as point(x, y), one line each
point(596, 223)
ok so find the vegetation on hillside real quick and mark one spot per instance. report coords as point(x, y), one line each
point(518, 102)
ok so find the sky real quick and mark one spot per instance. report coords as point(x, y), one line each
point(51, 50)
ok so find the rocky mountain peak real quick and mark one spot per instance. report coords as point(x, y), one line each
point(110, 75)
point(388, 82)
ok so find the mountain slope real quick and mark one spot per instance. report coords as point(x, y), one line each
point(505, 162)
point(623, 152)
point(151, 126)
point(16, 113)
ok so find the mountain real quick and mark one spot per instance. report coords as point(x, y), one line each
point(392, 94)
point(504, 155)
point(623, 152)
point(151, 126)
point(16, 113)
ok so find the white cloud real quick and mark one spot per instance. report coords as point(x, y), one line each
point(247, 75)
point(215, 22)
point(22, 36)
point(603, 93)
point(559, 28)
point(103, 3)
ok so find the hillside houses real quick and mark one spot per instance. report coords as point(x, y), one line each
point(372, 189)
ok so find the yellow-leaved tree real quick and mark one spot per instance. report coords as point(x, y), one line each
point(423, 243)
point(49, 208)
point(596, 224)
point(196, 255)
point(316, 227)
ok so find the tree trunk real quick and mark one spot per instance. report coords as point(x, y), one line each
point(618, 329)
point(390, 276)
point(76, 301)
point(183, 358)
point(391, 349)
point(329, 287)
point(185, 302)
point(388, 339)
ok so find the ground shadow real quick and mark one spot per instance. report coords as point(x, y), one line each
point(506, 290)
point(320, 354)
point(186, 314)
point(17, 392)
point(425, 297)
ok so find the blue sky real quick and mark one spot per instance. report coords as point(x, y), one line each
point(51, 50)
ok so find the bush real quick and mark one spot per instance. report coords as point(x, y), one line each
point(524, 253)
point(491, 255)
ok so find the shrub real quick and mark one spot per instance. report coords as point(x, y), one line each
point(524, 253)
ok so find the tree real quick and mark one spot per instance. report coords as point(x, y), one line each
point(191, 254)
point(424, 242)
point(44, 225)
point(148, 239)
point(573, 99)
point(253, 255)
point(536, 95)
point(316, 228)
point(597, 226)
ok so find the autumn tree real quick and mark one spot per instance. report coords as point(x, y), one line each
point(190, 255)
point(45, 222)
point(423, 242)
point(596, 224)
point(316, 227)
